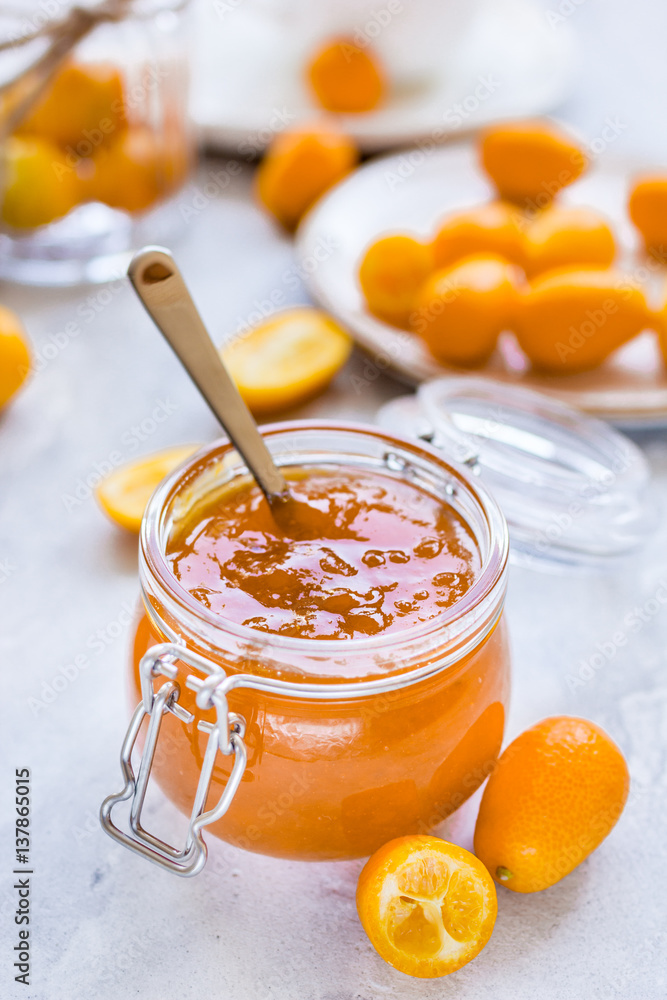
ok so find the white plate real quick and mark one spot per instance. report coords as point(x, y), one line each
point(247, 78)
point(411, 192)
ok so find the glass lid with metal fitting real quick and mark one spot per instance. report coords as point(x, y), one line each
point(575, 491)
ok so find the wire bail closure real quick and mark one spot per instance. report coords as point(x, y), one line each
point(224, 735)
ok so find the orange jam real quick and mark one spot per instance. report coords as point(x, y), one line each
point(369, 577)
point(363, 554)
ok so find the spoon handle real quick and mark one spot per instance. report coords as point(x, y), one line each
point(160, 286)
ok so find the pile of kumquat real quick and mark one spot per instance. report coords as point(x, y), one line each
point(81, 143)
point(523, 263)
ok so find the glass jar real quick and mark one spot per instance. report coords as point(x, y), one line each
point(91, 171)
point(305, 748)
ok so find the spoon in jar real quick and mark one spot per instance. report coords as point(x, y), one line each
point(162, 290)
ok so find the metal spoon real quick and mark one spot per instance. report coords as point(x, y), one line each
point(160, 286)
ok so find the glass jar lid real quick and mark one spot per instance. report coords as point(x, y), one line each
point(574, 491)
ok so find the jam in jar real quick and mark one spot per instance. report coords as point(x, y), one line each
point(358, 650)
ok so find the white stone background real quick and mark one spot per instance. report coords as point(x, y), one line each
point(107, 924)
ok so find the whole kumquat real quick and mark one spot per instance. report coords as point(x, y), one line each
point(555, 794)
point(15, 360)
point(176, 155)
point(492, 228)
point(660, 325)
point(529, 162)
point(299, 167)
point(391, 274)
point(345, 77)
point(564, 237)
point(427, 906)
point(571, 320)
point(647, 207)
point(38, 187)
point(130, 173)
point(82, 107)
point(460, 311)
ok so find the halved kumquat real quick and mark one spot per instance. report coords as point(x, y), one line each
point(125, 492)
point(287, 359)
point(427, 906)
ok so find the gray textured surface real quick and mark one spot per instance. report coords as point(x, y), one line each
point(108, 925)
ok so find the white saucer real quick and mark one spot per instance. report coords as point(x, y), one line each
point(402, 194)
point(510, 63)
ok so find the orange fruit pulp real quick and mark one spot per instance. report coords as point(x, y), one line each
point(287, 359)
point(427, 906)
point(124, 493)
